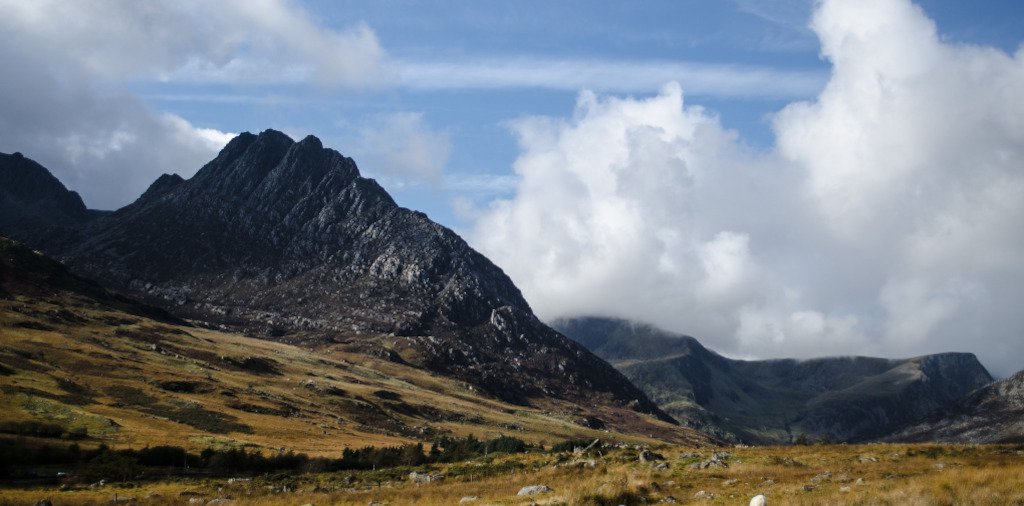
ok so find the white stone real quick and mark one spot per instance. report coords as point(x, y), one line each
point(534, 489)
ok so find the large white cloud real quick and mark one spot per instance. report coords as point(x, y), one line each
point(62, 100)
point(888, 219)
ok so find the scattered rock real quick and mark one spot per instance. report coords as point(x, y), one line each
point(533, 489)
point(649, 456)
point(220, 501)
point(420, 478)
point(579, 451)
point(809, 488)
point(730, 482)
point(860, 481)
point(867, 458)
point(716, 460)
point(690, 455)
point(844, 489)
point(468, 498)
point(44, 502)
point(661, 466)
point(668, 499)
point(703, 494)
point(581, 464)
point(759, 500)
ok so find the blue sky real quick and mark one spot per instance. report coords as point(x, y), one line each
point(818, 181)
point(741, 36)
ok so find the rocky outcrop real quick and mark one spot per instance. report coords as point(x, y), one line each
point(286, 240)
point(773, 401)
point(991, 414)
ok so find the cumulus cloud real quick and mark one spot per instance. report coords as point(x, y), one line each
point(403, 149)
point(61, 101)
point(886, 220)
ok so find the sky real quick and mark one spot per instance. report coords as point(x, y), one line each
point(788, 178)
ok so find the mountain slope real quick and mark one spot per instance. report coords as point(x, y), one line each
point(839, 399)
point(992, 414)
point(285, 240)
point(78, 356)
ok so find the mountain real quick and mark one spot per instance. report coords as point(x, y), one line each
point(991, 414)
point(36, 206)
point(773, 401)
point(286, 240)
point(95, 365)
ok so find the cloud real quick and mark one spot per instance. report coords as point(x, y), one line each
point(63, 102)
point(193, 41)
point(708, 79)
point(403, 149)
point(886, 220)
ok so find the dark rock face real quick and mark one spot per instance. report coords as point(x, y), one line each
point(27, 273)
point(34, 205)
point(991, 414)
point(771, 401)
point(284, 239)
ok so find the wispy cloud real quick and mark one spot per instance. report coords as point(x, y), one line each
point(480, 183)
point(697, 78)
point(527, 72)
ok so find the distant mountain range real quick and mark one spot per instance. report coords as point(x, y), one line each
point(286, 240)
point(780, 401)
point(991, 414)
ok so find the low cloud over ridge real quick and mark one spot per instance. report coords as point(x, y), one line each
point(886, 220)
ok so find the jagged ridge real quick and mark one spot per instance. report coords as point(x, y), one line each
point(286, 240)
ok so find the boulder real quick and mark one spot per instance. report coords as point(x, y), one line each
point(533, 490)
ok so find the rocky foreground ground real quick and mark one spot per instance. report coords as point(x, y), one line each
point(834, 474)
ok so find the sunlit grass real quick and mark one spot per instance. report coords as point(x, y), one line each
point(832, 475)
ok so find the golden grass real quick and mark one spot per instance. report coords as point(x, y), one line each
point(106, 372)
point(903, 475)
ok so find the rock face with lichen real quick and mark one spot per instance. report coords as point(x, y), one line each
point(285, 240)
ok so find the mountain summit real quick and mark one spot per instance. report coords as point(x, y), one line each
point(286, 240)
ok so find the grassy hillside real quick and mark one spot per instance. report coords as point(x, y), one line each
point(128, 376)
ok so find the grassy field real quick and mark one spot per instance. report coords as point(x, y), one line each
point(130, 382)
point(838, 474)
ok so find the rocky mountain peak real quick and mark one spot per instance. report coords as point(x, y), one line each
point(285, 240)
point(162, 185)
point(25, 182)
